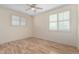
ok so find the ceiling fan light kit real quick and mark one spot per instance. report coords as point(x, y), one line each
point(33, 9)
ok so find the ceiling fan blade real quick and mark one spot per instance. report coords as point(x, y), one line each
point(27, 9)
point(38, 8)
point(31, 5)
point(34, 4)
point(28, 5)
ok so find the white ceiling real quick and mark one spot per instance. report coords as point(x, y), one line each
point(23, 7)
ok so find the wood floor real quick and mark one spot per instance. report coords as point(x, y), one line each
point(35, 46)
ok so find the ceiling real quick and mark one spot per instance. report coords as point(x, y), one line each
point(22, 8)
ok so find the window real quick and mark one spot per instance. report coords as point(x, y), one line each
point(53, 22)
point(18, 21)
point(63, 19)
point(23, 22)
point(15, 20)
point(60, 21)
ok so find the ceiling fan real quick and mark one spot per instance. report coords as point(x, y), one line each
point(33, 7)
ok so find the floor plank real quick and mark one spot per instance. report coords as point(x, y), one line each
point(36, 46)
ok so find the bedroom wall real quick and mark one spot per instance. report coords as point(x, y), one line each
point(11, 33)
point(41, 27)
point(38, 27)
point(78, 27)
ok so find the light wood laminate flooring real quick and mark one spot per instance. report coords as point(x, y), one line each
point(36, 46)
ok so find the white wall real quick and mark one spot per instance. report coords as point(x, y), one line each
point(78, 27)
point(41, 27)
point(10, 33)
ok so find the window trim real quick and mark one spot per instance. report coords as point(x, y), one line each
point(12, 20)
point(20, 20)
point(61, 21)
